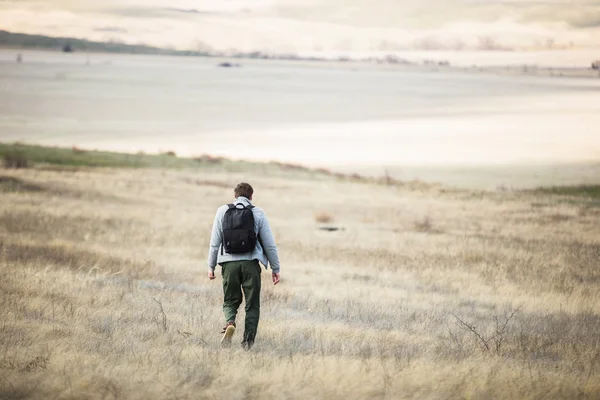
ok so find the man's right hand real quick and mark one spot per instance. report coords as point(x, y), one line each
point(275, 278)
point(211, 275)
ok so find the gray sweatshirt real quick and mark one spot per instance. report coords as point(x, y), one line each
point(267, 255)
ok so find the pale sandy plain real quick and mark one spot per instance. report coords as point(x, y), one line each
point(462, 127)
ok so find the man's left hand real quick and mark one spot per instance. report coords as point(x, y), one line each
point(211, 275)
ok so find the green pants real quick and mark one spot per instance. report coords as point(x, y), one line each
point(242, 279)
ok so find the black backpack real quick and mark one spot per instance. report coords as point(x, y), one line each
point(238, 230)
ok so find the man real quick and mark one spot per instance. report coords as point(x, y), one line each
point(238, 252)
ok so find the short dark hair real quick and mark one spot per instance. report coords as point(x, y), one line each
point(243, 189)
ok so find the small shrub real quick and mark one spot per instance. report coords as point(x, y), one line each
point(15, 159)
point(209, 159)
point(426, 225)
point(387, 178)
point(323, 218)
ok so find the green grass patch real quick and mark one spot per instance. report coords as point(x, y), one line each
point(39, 155)
point(588, 191)
point(18, 155)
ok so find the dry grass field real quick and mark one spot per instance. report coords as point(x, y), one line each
point(426, 292)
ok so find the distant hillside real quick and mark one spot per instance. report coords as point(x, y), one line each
point(20, 40)
point(24, 41)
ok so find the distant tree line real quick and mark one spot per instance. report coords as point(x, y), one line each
point(20, 40)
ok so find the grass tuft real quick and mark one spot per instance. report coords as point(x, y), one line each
point(426, 225)
point(589, 191)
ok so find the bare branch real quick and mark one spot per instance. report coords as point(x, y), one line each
point(501, 330)
point(474, 331)
point(164, 316)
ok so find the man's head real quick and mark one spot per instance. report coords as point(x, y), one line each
point(243, 189)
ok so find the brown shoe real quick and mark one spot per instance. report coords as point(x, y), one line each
point(226, 325)
point(227, 332)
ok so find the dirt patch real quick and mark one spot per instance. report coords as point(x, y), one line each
point(47, 226)
point(62, 255)
point(9, 184)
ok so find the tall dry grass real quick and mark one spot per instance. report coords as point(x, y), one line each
point(425, 293)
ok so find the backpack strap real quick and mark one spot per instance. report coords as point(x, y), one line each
point(229, 207)
point(250, 207)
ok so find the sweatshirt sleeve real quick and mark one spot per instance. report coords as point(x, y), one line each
point(268, 243)
point(216, 238)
